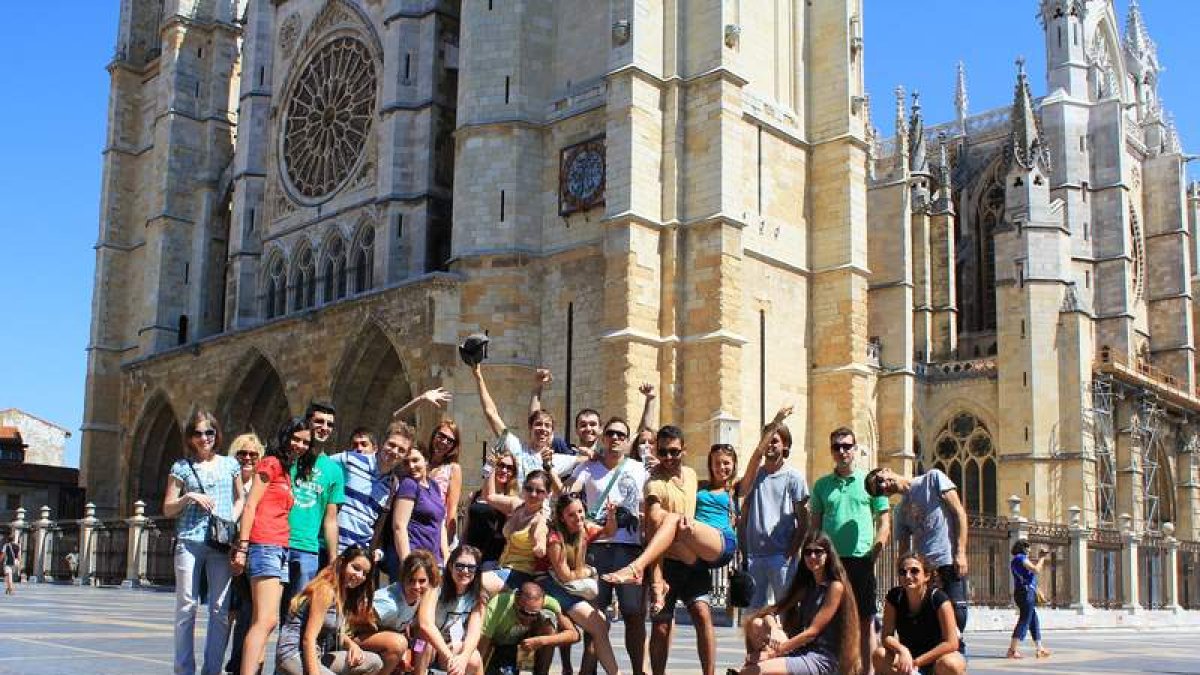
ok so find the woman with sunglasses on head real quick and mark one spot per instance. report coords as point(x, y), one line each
point(247, 449)
point(450, 619)
point(813, 629)
point(262, 548)
point(566, 553)
point(642, 447)
point(418, 513)
point(201, 486)
point(484, 528)
point(445, 470)
point(396, 607)
point(315, 637)
point(920, 634)
point(525, 534)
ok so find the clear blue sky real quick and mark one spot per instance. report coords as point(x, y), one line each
point(57, 90)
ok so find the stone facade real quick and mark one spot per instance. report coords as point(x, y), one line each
point(739, 236)
point(46, 441)
point(1040, 322)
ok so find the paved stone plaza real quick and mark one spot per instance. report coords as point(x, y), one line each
point(62, 629)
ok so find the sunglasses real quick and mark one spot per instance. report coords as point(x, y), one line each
point(842, 447)
point(616, 433)
point(465, 568)
point(207, 433)
point(910, 571)
point(505, 467)
point(535, 490)
point(814, 552)
point(247, 455)
point(445, 438)
point(669, 452)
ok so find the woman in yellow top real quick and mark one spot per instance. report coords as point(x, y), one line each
point(526, 530)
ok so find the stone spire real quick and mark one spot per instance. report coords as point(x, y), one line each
point(901, 132)
point(916, 137)
point(1137, 38)
point(960, 97)
point(1026, 145)
point(943, 168)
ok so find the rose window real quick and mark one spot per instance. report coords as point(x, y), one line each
point(328, 118)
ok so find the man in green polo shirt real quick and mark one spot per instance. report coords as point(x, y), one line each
point(858, 524)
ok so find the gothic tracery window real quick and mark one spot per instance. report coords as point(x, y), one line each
point(275, 292)
point(328, 118)
point(334, 271)
point(964, 451)
point(304, 283)
point(364, 259)
point(1137, 253)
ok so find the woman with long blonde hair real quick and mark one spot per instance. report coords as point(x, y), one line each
point(315, 638)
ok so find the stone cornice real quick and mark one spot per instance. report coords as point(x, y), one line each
point(775, 262)
point(634, 335)
point(722, 336)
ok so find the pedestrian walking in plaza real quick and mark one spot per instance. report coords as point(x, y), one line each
point(1026, 596)
point(617, 479)
point(813, 628)
point(520, 623)
point(919, 632)
point(570, 575)
point(10, 558)
point(776, 512)
point(204, 491)
point(859, 526)
point(247, 450)
point(418, 513)
point(315, 639)
point(319, 487)
point(451, 619)
point(396, 605)
point(931, 520)
point(262, 549)
point(526, 532)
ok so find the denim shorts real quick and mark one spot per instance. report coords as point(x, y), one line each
point(513, 579)
point(727, 550)
point(266, 560)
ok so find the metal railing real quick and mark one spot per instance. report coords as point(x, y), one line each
point(1055, 582)
point(62, 550)
point(1105, 561)
point(1152, 571)
point(112, 552)
point(988, 553)
point(158, 545)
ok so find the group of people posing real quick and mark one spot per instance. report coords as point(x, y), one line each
point(295, 536)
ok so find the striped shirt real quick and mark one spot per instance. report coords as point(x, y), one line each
point(213, 478)
point(368, 496)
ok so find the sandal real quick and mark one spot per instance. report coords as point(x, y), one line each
point(1043, 653)
point(626, 575)
point(1014, 654)
point(658, 597)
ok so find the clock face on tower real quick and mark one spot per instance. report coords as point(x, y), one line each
point(581, 177)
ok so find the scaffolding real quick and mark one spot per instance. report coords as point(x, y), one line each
point(1104, 440)
point(1146, 429)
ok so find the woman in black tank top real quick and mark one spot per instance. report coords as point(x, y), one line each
point(919, 630)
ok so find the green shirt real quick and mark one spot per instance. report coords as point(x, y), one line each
point(847, 512)
point(500, 623)
point(326, 485)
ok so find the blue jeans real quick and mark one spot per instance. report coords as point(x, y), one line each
point(771, 573)
point(302, 568)
point(955, 588)
point(1027, 620)
point(193, 558)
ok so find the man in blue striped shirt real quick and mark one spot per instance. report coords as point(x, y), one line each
point(370, 486)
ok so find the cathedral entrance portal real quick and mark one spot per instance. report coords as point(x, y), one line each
point(369, 384)
point(157, 443)
point(256, 402)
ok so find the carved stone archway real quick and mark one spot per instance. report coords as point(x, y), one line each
point(254, 399)
point(157, 443)
point(369, 383)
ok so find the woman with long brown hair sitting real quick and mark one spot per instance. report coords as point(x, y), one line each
point(813, 630)
point(315, 638)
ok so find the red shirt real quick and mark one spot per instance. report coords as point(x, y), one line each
point(271, 517)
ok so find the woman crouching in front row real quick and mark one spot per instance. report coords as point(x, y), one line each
point(813, 630)
point(919, 631)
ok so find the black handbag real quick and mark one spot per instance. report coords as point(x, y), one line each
point(220, 533)
point(741, 585)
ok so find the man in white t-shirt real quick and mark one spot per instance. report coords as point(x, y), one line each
point(617, 479)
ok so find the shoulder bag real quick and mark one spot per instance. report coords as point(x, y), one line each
point(741, 584)
point(220, 533)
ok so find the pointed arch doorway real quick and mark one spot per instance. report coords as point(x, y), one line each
point(157, 443)
point(370, 383)
point(254, 401)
